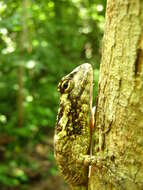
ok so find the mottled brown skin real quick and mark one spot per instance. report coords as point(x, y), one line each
point(72, 134)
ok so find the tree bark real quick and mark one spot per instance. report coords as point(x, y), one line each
point(119, 114)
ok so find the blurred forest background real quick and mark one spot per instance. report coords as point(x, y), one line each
point(40, 42)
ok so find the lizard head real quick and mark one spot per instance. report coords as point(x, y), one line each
point(77, 82)
point(75, 100)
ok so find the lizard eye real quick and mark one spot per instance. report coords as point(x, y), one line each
point(65, 86)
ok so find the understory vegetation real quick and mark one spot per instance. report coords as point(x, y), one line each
point(41, 41)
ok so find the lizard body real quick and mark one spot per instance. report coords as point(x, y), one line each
point(72, 137)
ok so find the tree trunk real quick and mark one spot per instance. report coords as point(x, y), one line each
point(25, 47)
point(119, 114)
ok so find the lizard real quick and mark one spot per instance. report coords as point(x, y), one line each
point(72, 139)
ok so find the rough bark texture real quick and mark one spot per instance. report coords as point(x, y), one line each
point(119, 115)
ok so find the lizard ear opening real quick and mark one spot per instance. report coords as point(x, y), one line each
point(65, 86)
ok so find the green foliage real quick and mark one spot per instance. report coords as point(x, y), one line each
point(58, 35)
